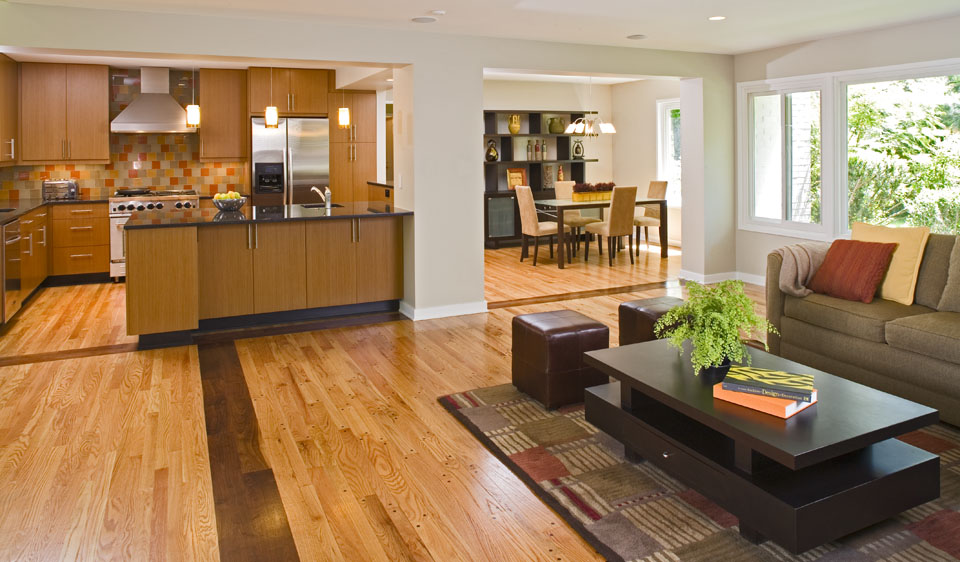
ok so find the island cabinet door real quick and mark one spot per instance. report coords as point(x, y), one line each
point(331, 263)
point(225, 257)
point(279, 268)
point(379, 259)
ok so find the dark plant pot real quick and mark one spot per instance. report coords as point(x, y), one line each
point(712, 375)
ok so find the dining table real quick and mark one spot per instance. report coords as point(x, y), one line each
point(560, 205)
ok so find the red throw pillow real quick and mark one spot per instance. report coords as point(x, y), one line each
point(852, 270)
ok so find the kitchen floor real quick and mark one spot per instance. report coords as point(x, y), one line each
point(319, 445)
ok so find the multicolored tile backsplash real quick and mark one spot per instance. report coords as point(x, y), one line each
point(158, 161)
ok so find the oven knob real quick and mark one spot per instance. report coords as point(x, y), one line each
point(120, 207)
point(187, 205)
point(139, 207)
point(179, 205)
point(159, 205)
point(149, 205)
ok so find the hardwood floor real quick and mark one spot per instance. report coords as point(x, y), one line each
point(106, 457)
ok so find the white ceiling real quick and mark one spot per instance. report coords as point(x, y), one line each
point(677, 24)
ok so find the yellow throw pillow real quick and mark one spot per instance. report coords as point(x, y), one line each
point(901, 280)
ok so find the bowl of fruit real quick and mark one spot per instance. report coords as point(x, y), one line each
point(229, 201)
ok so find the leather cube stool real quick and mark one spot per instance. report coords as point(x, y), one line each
point(638, 317)
point(548, 355)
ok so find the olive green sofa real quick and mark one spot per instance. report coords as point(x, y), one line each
point(911, 351)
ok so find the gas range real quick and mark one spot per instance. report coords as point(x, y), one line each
point(122, 205)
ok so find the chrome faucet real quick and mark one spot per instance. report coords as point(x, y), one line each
point(319, 193)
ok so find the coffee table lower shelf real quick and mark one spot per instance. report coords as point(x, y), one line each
point(798, 509)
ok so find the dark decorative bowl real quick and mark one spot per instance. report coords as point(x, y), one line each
point(229, 204)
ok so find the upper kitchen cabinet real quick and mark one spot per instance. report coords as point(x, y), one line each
point(223, 121)
point(363, 116)
point(295, 91)
point(65, 112)
point(9, 88)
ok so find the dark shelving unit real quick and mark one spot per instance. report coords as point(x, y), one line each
point(501, 213)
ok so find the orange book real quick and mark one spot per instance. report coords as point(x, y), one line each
point(780, 407)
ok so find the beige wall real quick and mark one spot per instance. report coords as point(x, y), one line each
point(509, 94)
point(635, 144)
point(444, 110)
point(921, 42)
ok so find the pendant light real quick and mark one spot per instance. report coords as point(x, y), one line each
point(193, 110)
point(271, 116)
point(590, 127)
point(343, 114)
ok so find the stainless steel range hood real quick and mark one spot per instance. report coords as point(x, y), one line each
point(154, 110)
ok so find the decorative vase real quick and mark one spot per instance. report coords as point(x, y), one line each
point(492, 155)
point(578, 149)
point(556, 125)
point(716, 373)
point(513, 124)
point(559, 173)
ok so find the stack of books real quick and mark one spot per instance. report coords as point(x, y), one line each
point(777, 393)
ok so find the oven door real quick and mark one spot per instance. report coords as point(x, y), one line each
point(118, 247)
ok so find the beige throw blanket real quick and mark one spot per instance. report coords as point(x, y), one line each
point(800, 263)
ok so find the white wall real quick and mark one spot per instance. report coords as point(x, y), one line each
point(441, 161)
point(507, 94)
point(920, 42)
point(635, 144)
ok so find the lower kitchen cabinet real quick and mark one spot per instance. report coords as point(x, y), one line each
point(279, 271)
point(379, 259)
point(79, 239)
point(78, 260)
point(33, 250)
point(225, 273)
point(161, 280)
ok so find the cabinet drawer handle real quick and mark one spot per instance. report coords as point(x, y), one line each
point(81, 228)
point(13, 151)
point(77, 211)
point(81, 255)
point(666, 455)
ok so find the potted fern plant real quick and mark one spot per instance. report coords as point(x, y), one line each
point(716, 320)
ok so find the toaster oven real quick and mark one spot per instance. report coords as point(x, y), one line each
point(59, 190)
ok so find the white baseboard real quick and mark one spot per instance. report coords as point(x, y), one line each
point(718, 277)
point(752, 279)
point(429, 313)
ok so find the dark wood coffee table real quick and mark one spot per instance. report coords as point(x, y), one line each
point(828, 471)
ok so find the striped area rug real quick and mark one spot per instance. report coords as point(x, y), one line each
point(635, 512)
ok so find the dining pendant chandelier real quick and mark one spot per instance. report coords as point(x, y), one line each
point(271, 116)
point(590, 127)
point(193, 110)
point(343, 114)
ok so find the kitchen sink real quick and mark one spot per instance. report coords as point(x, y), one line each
point(318, 205)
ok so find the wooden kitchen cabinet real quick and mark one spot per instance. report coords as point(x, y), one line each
point(331, 263)
point(379, 259)
point(162, 280)
point(223, 119)
point(9, 109)
point(79, 238)
point(225, 271)
point(352, 165)
point(296, 91)
point(279, 267)
point(33, 250)
point(64, 112)
point(363, 116)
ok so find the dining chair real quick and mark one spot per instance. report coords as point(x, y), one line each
point(648, 216)
point(564, 190)
point(619, 222)
point(532, 226)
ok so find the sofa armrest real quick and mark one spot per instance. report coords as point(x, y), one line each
point(774, 299)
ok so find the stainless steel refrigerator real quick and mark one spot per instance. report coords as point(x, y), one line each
point(289, 160)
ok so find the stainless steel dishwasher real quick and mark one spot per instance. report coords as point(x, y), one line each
point(12, 295)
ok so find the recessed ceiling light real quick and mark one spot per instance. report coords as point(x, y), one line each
point(717, 18)
point(438, 12)
point(637, 36)
point(423, 19)
point(389, 79)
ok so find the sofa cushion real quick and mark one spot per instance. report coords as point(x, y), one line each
point(852, 270)
point(900, 284)
point(935, 335)
point(950, 300)
point(934, 269)
point(864, 321)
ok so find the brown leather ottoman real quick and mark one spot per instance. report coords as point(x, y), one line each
point(638, 317)
point(548, 355)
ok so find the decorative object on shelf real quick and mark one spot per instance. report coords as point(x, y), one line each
point(560, 172)
point(271, 116)
point(556, 125)
point(515, 177)
point(578, 149)
point(543, 149)
point(583, 192)
point(536, 151)
point(513, 124)
point(193, 110)
point(713, 319)
point(548, 181)
point(492, 155)
point(529, 150)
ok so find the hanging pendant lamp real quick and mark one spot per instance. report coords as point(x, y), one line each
point(590, 127)
point(343, 114)
point(271, 116)
point(193, 110)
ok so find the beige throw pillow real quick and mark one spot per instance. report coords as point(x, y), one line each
point(950, 301)
point(901, 280)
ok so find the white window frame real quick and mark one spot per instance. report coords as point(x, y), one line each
point(664, 107)
point(746, 220)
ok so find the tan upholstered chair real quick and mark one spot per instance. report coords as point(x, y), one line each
point(575, 219)
point(619, 221)
point(531, 226)
point(649, 215)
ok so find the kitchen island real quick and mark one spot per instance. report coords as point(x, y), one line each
point(191, 270)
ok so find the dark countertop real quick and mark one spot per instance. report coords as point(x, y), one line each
point(251, 214)
point(23, 206)
point(381, 183)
